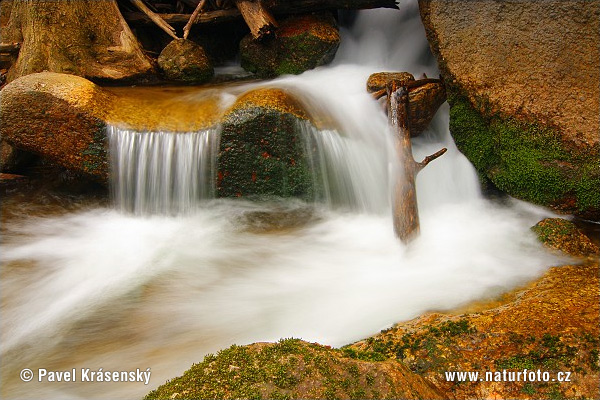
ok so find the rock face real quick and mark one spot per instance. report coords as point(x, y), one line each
point(301, 43)
point(185, 61)
point(61, 117)
point(522, 80)
point(293, 369)
point(262, 151)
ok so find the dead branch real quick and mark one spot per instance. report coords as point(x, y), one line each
point(156, 18)
point(192, 20)
point(430, 158)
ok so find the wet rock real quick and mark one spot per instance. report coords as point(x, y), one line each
point(185, 61)
point(560, 234)
point(424, 100)
point(522, 81)
point(550, 325)
point(59, 117)
point(262, 150)
point(302, 42)
point(294, 369)
point(380, 80)
point(13, 160)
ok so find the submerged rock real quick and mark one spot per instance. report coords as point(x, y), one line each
point(262, 150)
point(302, 42)
point(293, 369)
point(522, 81)
point(185, 61)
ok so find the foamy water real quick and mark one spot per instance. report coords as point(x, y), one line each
point(101, 288)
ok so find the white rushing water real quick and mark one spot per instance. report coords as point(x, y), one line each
point(102, 288)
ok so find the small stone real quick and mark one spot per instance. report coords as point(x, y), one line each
point(185, 61)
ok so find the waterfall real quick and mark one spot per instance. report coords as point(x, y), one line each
point(162, 172)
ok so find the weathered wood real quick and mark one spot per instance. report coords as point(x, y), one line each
point(277, 7)
point(192, 20)
point(88, 38)
point(156, 18)
point(257, 17)
point(404, 203)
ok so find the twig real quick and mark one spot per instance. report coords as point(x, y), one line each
point(430, 158)
point(155, 18)
point(188, 27)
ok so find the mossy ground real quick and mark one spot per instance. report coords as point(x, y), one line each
point(526, 160)
point(289, 369)
point(560, 234)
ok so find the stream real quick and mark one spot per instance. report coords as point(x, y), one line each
point(150, 282)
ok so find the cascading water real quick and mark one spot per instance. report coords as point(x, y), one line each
point(99, 288)
point(162, 172)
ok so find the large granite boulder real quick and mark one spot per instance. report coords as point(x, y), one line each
point(263, 151)
point(302, 42)
point(60, 117)
point(522, 80)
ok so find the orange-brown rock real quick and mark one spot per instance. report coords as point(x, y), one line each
point(522, 80)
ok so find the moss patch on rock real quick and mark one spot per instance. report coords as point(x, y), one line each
point(551, 325)
point(292, 369)
point(302, 43)
point(560, 234)
point(526, 160)
point(262, 151)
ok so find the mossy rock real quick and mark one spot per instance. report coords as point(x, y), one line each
point(262, 150)
point(302, 42)
point(527, 160)
point(185, 61)
point(560, 234)
point(293, 369)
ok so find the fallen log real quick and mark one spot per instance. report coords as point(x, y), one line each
point(405, 210)
point(257, 17)
point(277, 7)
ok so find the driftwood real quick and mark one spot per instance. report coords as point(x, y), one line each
point(404, 203)
point(276, 7)
point(192, 20)
point(257, 17)
point(156, 18)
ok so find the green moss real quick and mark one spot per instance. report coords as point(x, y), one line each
point(525, 160)
point(284, 370)
point(262, 154)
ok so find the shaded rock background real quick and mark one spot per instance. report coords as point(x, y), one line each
point(301, 43)
point(185, 61)
point(522, 80)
